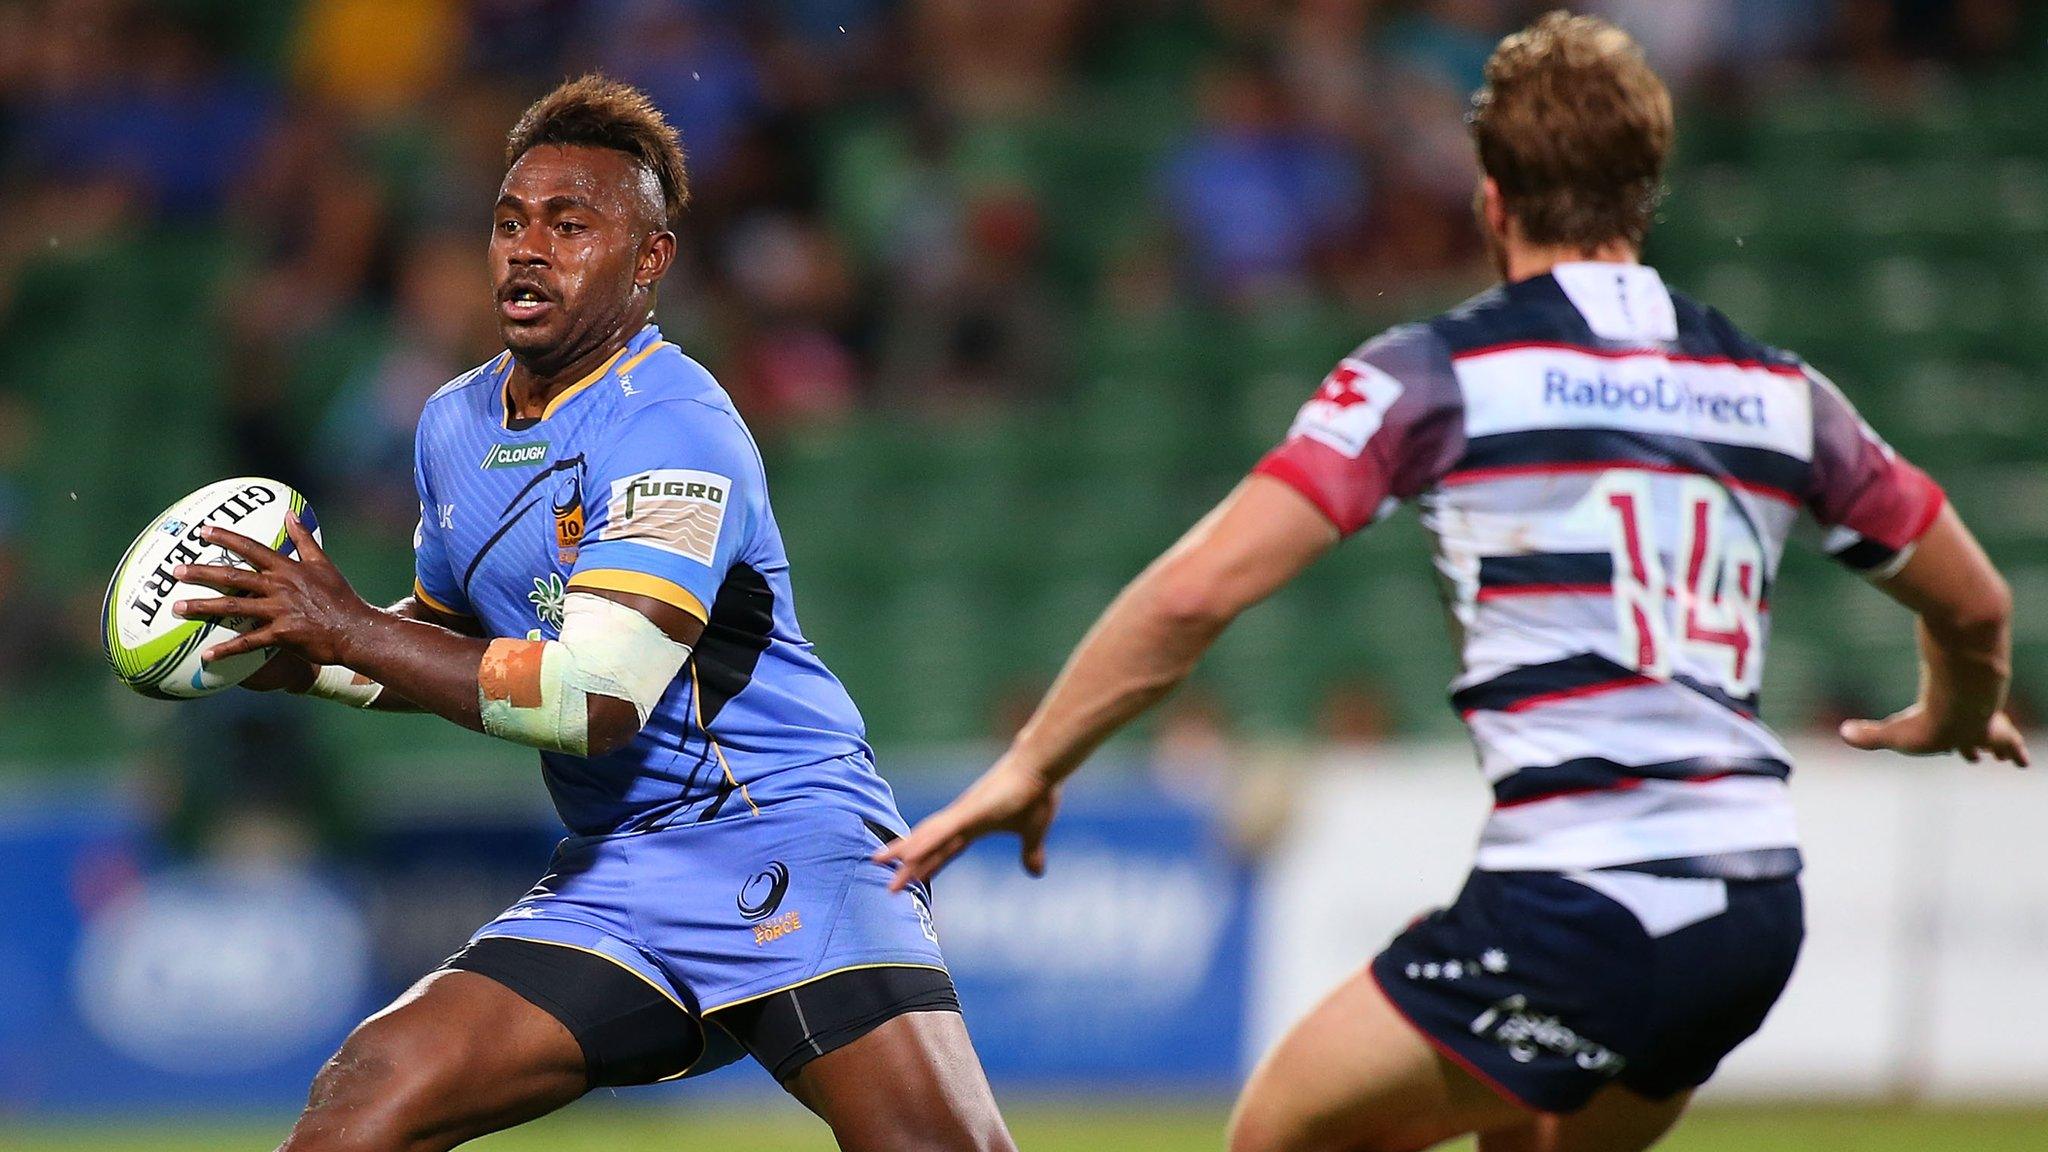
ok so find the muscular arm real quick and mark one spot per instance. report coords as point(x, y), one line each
point(287, 672)
point(308, 609)
point(413, 608)
point(1965, 630)
point(436, 669)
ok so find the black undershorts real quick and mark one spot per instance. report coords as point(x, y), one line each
point(633, 1034)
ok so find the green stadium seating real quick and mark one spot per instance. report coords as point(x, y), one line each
point(944, 566)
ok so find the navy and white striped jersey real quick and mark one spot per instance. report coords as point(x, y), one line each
point(1610, 472)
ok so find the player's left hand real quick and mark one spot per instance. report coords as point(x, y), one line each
point(304, 605)
point(1918, 730)
point(1007, 798)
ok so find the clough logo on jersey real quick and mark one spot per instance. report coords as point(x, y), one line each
point(515, 455)
point(1660, 393)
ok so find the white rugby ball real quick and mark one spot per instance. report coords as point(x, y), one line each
point(157, 653)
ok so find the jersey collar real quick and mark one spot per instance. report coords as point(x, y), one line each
point(643, 342)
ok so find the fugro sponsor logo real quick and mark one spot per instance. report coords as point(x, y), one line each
point(516, 455)
point(651, 485)
point(1671, 395)
point(678, 510)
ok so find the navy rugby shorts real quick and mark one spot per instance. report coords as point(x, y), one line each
point(1550, 986)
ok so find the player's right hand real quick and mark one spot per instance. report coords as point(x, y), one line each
point(1917, 731)
point(1007, 798)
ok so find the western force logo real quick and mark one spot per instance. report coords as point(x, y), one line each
point(678, 510)
point(568, 509)
point(759, 898)
point(762, 894)
point(516, 455)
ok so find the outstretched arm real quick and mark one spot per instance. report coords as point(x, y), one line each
point(1145, 644)
point(1965, 627)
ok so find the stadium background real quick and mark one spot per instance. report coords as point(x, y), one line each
point(1010, 293)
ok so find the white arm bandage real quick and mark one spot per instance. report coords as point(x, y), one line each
point(537, 692)
point(344, 686)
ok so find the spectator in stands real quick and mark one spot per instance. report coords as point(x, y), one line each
point(987, 61)
point(1197, 757)
point(985, 337)
point(373, 60)
point(1254, 195)
point(795, 296)
point(438, 326)
point(1882, 34)
point(134, 104)
point(313, 216)
point(699, 70)
point(1353, 713)
point(1194, 756)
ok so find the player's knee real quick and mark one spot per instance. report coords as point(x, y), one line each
point(378, 1094)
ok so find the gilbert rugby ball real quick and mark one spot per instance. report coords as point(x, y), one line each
point(157, 653)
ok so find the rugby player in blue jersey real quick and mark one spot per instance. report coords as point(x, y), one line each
point(599, 576)
point(1611, 471)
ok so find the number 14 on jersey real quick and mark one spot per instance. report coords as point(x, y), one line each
point(1703, 610)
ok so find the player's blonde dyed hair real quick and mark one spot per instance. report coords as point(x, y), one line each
point(1574, 127)
point(600, 112)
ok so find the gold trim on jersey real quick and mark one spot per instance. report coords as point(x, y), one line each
point(641, 584)
point(419, 592)
point(562, 397)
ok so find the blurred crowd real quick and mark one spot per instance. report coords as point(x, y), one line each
point(885, 212)
point(863, 233)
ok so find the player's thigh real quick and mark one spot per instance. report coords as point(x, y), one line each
point(457, 1056)
point(912, 1085)
point(1355, 1076)
point(1617, 1120)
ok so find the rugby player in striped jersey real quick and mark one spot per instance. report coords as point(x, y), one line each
point(1611, 471)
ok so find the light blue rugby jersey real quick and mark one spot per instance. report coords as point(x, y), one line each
point(641, 478)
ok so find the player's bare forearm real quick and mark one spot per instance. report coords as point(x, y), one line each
point(413, 608)
point(1965, 633)
point(1157, 630)
point(1965, 611)
point(306, 608)
point(289, 672)
point(423, 666)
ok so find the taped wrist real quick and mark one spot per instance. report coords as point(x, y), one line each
point(537, 692)
point(345, 686)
